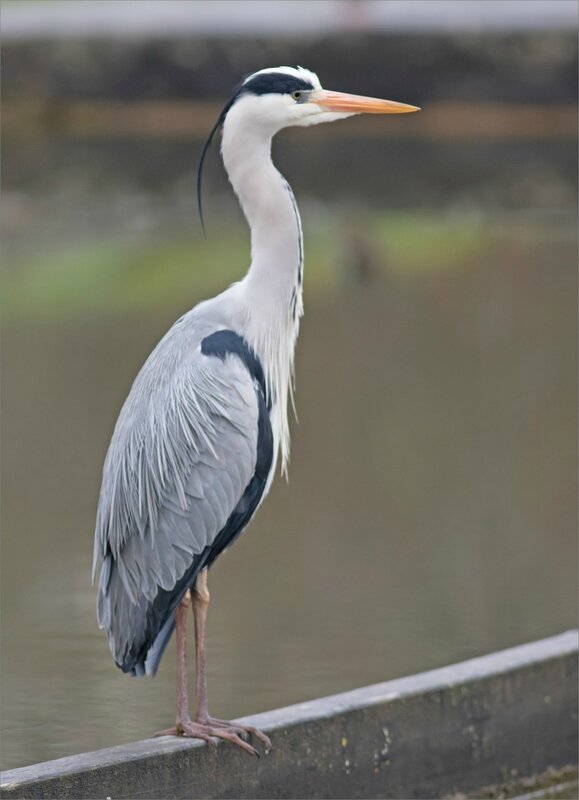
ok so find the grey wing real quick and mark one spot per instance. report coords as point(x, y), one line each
point(182, 457)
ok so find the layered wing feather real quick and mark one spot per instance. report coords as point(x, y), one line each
point(183, 453)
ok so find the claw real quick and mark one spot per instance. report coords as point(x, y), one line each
point(262, 738)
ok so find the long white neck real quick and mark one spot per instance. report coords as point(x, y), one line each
point(272, 288)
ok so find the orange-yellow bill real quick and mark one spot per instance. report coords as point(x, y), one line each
point(356, 104)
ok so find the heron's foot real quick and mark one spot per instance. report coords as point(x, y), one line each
point(243, 731)
point(211, 730)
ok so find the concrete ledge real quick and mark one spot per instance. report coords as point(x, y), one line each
point(455, 729)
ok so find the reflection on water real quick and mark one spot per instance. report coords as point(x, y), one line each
point(430, 514)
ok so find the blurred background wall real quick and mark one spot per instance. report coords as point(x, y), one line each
point(431, 511)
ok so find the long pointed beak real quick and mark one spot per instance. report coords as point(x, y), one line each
point(356, 104)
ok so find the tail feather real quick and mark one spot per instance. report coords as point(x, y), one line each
point(150, 664)
point(138, 629)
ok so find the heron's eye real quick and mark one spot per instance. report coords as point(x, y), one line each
point(297, 95)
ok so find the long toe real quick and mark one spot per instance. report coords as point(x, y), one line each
point(190, 730)
point(232, 735)
point(168, 732)
point(243, 731)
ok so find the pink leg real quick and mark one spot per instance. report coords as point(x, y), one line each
point(200, 596)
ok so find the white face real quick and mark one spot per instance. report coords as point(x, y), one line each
point(281, 110)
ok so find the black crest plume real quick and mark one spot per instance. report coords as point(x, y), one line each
point(204, 152)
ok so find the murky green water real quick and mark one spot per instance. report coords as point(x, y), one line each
point(431, 510)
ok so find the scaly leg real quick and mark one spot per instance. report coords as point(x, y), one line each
point(204, 726)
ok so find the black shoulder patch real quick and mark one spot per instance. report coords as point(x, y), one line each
point(226, 342)
point(276, 83)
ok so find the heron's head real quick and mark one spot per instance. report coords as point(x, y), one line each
point(280, 97)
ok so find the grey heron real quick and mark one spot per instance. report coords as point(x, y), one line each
point(195, 447)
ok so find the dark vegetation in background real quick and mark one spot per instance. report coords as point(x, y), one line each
point(491, 175)
point(517, 68)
